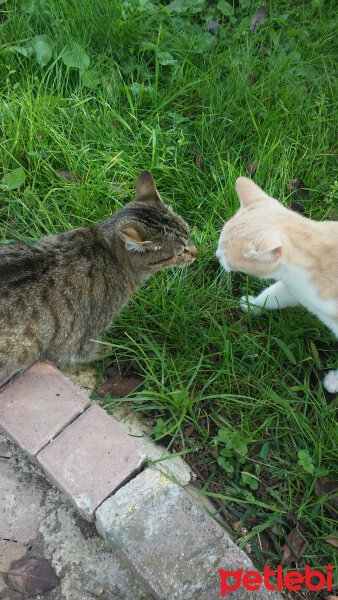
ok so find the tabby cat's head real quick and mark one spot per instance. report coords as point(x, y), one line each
point(151, 233)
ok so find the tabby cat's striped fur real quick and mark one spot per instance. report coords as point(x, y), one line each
point(63, 291)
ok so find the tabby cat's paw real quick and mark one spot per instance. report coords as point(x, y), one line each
point(248, 303)
point(330, 382)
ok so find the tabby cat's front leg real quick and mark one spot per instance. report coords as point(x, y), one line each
point(90, 351)
point(275, 296)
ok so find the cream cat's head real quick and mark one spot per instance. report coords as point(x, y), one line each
point(251, 241)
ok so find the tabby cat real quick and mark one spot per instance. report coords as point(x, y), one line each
point(60, 293)
point(266, 239)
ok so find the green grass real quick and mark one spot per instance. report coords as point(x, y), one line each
point(163, 91)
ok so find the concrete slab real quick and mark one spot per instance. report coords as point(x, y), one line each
point(156, 520)
point(19, 503)
point(199, 579)
point(91, 459)
point(38, 405)
point(169, 540)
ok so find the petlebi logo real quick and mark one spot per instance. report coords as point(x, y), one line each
point(293, 580)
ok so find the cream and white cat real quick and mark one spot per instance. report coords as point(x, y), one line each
point(269, 241)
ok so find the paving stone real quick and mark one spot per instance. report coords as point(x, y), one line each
point(38, 405)
point(91, 459)
point(170, 541)
point(19, 503)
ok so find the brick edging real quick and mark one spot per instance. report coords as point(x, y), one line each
point(165, 535)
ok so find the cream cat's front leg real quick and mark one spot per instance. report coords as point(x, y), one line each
point(275, 296)
point(278, 296)
point(330, 382)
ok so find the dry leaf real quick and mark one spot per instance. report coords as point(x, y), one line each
point(248, 547)
point(333, 541)
point(111, 371)
point(189, 431)
point(237, 525)
point(106, 387)
point(123, 368)
point(258, 19)
point(118, 386)
point(253, 520)
point(333, 214)
point(331, 597)
point(297, 206)
point(326, 486)
point(251, 77)
point(297, 187)
point(68, 175)
point(213, 353)
point(298, 544)
point(23, 156)
point(252, 167)
point(290, 516)
point(31, 576)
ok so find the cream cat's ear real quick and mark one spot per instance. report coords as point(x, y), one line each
point(249, 192)
point(268, 249)
point(132, 238)
point(146, 188)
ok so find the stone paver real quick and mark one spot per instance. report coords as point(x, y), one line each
point(90, 459)
point(170, 541)
point(19, 503)
point(38, 405)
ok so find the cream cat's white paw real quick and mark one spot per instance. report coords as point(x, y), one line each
point(330, 382)
point(248, 303)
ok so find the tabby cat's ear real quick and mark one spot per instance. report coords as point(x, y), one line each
point(132, 238)
point(146, 188)
point(249, 192)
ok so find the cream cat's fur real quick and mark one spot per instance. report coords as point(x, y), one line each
point(272, 242)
